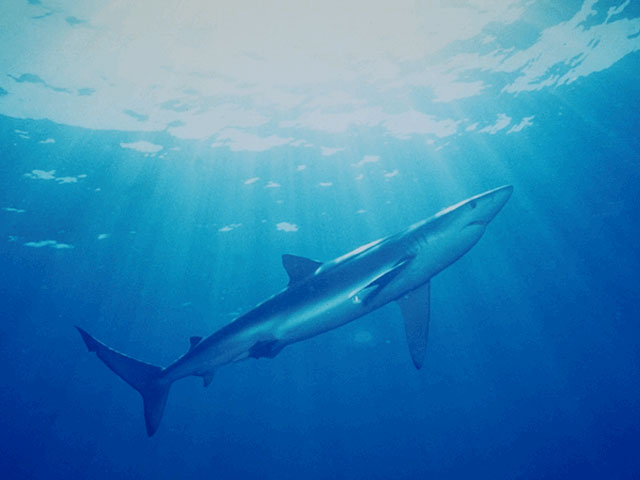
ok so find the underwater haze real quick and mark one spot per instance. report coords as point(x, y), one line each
point(158, 158)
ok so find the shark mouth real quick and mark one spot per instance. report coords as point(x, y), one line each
point(478, 222)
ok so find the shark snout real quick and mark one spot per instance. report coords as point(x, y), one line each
point(487, 205)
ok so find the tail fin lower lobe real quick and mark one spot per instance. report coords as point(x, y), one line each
point(144, 377)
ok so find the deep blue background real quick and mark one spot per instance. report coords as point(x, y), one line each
point(532, 367)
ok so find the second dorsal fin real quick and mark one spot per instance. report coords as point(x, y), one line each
point(193, 341)
point(298, 268)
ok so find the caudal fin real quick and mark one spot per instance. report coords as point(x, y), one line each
point(144, 377)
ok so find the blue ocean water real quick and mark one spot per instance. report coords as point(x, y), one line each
point(157, 161)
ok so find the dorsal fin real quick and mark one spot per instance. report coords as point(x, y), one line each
point(193, 341)
point(298, 268)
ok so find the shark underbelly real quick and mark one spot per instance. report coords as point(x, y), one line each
point(317, 318)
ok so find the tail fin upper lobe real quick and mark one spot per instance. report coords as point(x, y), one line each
point(144, 377)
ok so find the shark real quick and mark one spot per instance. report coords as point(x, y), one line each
point(321, 297)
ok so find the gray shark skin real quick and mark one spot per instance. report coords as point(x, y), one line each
point(324, 296)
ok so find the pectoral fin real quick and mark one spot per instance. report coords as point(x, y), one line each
point(371, 291)
point(415, 310)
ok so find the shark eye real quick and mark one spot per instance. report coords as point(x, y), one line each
point(472, 204)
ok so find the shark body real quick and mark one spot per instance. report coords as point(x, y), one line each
point(324, 296)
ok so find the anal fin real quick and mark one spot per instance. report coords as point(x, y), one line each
point(207, 378)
